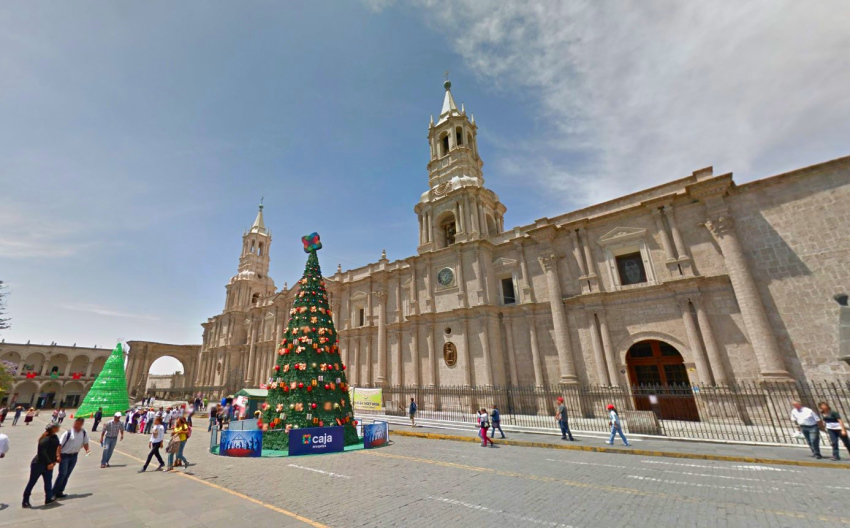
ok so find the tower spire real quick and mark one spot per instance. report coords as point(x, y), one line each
point(259, 226)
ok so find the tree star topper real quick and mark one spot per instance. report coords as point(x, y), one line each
point(311, 243)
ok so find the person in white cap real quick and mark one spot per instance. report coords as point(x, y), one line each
point(109, 437)
point(4, 445)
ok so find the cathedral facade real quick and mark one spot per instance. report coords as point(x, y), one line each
point(695, 281)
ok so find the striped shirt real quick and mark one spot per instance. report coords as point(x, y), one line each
point(112, 428)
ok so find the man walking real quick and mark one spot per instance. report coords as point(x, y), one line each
point(496, 418)
point(109, 437)
point(563, 423)
point(98, 416)
point(71, 442)
point(810, 425)
point(412, 411)
point(18, 411)
point(149, 417)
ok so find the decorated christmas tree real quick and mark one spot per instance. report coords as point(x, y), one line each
point(308, 386)
point(109, 390)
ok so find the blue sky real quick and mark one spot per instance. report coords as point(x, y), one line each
point(137, 138)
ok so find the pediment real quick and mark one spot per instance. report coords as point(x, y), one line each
point(359, 295)
point(503, 262)
point(621, 234)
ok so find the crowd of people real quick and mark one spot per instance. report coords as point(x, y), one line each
point(60, 451)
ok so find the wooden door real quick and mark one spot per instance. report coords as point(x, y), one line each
point(657, 372)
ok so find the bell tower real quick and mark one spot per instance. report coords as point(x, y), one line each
point(252, 282)
point(457, 207)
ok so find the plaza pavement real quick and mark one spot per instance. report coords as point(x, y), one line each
point(418, 482)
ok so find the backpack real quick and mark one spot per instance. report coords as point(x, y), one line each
point(485, 422)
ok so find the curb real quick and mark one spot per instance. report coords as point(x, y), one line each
point(640, 452)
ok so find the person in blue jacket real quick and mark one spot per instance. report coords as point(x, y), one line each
point(496, 418)
point(412, 412)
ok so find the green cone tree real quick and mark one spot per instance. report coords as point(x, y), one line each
point(308, 387)
point(109, 390)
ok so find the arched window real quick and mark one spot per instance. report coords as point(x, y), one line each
point(448, 231)
point(252, 247)
point(260, 252)
point(255, 298)
point(459, 136)
point(444, 141)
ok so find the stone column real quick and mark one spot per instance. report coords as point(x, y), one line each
point(398, 357)
point(474, 214)
point(429, 341)
point(382, 337)
point(509, 333)
point(67, 371)
point(703, 369)
point(485, 356)
point(251, 346)
point(559, 320)
point(588, 253)
point(527, 284)
point(662, 232)
point(467, 355)
point(370, 381)
point(771, 364)
point(88, 368)
point(430, 227)
point(681, 248)
point(610, 357)
point(577, 252)
point(199, 370)
point(357, 360)
point(414, 354)
point(535, 350)
point(711, 348)
point(598, 353)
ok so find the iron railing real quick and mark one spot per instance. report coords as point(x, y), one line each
point(747, 412)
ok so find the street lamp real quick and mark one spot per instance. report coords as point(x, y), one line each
point(843, 327)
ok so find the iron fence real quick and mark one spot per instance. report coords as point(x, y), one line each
point(747, 412)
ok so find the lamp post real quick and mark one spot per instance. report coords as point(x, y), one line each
point(843, 327)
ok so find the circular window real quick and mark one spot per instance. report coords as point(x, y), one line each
point(448, 330)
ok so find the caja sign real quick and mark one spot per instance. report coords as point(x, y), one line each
point(316, 440)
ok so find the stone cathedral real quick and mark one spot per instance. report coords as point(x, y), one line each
point(696, 280)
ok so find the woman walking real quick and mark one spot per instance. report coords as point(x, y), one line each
point(155, 443)
point(180, 431)
point(835, 428)
point(484, 424)
point(614, 422)
point(42, 465)
point(29, 416)
point(18, 411)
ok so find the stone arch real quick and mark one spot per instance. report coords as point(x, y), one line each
point(626, 343)
point(35, 362)
point(57, 364)
point(11, 356)
point(492, 227)
point(97, 365)
point(49, 394)
point(79, 364)
point(446, 227)
point(25, 393)
point(73, 392)
point(143, 354)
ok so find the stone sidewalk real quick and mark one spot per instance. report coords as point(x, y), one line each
point(782, 455)
point(120, 497)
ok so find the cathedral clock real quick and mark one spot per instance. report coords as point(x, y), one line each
point(446, 277)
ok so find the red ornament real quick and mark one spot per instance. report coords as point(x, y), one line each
point(301, 385)
point(309, 388)
point(313, 405)
point(285, 388)
point(276, 368)
point(327, 386)
point(343, 367)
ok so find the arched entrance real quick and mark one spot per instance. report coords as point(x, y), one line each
point(660, 380)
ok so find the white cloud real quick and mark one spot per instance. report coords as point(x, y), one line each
point(635, 93)
point(107, 311)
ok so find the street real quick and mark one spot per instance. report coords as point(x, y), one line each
point(417, 482)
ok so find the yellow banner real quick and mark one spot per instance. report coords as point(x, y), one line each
point(366, 399)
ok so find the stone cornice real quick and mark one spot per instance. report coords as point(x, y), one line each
point(681, 287)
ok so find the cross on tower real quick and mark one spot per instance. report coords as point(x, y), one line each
point(446, 75)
